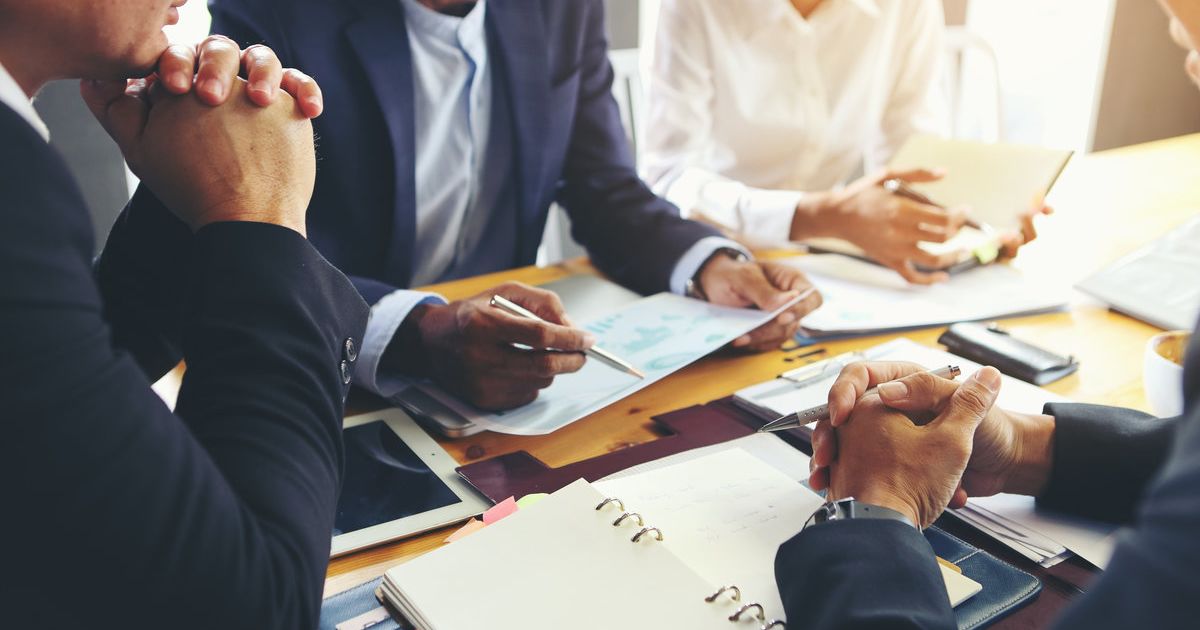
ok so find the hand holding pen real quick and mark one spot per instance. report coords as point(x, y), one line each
point(485, 355)
point(596, 352)
point(1008, 242)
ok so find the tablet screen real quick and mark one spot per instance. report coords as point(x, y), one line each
point(384, 480)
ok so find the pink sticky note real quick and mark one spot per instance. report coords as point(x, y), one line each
point(469, 528)
point(500, 510)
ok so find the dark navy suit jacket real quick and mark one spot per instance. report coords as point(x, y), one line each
point(119, 513)
point(1109, 463)
point(569, 143)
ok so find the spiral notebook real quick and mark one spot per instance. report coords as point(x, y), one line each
point(685, 546)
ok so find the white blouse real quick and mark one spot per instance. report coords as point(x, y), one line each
point(749, 104)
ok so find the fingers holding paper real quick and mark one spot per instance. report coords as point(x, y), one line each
point(767, 286)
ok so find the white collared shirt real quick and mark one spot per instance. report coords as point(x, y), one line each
point(750, 104)
point(14, 97)
point(461, 175)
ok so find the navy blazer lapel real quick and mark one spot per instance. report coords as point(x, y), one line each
point(518, 31)
point(380, 38)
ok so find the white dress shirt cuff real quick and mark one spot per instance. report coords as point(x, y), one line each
point(762, 216)
point(766, 215)
point(694, 258)
point(385, 319)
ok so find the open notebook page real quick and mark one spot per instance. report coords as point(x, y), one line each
point(724, 514)
point(558, 564)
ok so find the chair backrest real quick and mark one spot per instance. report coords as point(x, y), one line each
point(628, 90)
point(90, 154)
point(557, 244)
point(972, 86)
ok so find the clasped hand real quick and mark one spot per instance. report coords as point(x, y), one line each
point(212, 146)
point(920, 444)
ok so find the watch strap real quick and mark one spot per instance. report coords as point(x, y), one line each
point(693, 289)
point(850, 508)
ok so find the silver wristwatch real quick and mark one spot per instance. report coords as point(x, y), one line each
point(851, 508)
point(693, 289)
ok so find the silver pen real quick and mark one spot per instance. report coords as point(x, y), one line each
point(821, 412)
point(512, 308)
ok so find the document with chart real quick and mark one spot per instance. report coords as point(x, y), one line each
point(658, 335)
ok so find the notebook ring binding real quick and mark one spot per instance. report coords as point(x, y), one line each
point(736, 594)
point(761, 615)
point(658, 535)
point(620, 503)
point(774, 623)
point(634, 515)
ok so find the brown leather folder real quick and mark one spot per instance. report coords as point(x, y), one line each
point(518, 474)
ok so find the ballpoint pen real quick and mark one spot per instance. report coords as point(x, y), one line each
point(597, 352)
point(979, 256)
point(821, 412)
point(899, 188)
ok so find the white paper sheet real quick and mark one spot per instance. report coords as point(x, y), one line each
point(659, 335)
point(724, 514)
point(863, 297)
point(959, 587)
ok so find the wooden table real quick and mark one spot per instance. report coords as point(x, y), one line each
point(1108, 204)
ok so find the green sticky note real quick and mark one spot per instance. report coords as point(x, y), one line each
point(530, 499)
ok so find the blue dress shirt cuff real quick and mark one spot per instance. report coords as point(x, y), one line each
point(386, 316)
point(692, 260)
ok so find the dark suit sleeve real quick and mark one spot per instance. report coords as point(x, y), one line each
point(862, 574)
point(630, 234)
point(131, 516)
point(1151, 580)
point(1104, 458)
point(139, 273)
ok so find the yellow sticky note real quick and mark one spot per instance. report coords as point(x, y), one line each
point(530, 499)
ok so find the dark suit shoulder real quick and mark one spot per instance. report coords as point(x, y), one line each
point(32, 169)
point(45, 229)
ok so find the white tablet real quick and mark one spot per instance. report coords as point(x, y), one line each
point(397, 482)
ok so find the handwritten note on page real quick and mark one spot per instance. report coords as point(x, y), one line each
point(725, 514)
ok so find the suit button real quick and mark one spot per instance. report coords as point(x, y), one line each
point(345, 372)
point(350, 350)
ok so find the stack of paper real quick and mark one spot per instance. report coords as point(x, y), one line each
point(861, 297)
point(1157, 283)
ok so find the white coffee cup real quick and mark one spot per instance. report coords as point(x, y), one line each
point(1163, 372)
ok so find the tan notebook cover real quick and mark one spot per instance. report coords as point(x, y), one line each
point(997, 181)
